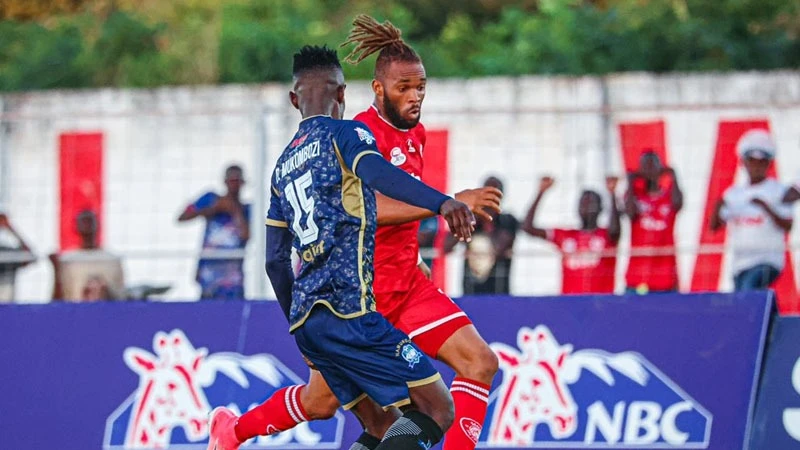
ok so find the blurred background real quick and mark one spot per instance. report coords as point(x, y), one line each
point(133, 110)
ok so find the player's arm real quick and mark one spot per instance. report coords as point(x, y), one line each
point(528, 225)
point(614, 225)
point(205, 206)
point(361, 157)
point(279, 255)
point(782, 217)
point(793, 194)
point(676, 194)
point(717, 219)
point(480, 201)
point(631, 209)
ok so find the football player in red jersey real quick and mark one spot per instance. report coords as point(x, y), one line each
point(652, 209)
point(403, 294)
point(588, 254)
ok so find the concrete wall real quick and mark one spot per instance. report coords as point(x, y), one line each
point(165, 147)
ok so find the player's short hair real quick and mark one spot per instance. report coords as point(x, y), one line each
point(233, 168)
point(593, 193)
point(314, 57)
point(369, 36)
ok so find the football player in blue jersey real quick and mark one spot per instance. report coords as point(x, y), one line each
point(323, 208)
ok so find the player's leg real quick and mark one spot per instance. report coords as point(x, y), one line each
point(475, 365)
point(374, 421)
point(442, 330)
point(385, 365)
point(285, 409)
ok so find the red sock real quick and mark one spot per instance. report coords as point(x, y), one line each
point(471, 399)
point(280, 412)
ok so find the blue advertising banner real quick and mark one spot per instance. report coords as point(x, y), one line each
point(777, 419)
point(667, 371)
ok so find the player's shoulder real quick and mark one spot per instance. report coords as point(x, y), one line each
point(366, 116)
point(420, 129)
point(206, 199)
point(776, 186)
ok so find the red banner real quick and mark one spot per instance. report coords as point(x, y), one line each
point(638, 137)
point(81, 183)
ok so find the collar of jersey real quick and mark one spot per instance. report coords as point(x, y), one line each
point(386, 121)
point(314, 117)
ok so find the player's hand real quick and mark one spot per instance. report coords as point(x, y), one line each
point(611, 184)
point(227, 205)
point(545, 183)
point(459, 218)
point(482, 201)
point(425, 269)
point(4, 221)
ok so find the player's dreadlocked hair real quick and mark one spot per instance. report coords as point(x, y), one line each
point(314, 57)
point(371, 36)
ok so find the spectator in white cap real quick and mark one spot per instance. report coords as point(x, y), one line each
point(756, 216)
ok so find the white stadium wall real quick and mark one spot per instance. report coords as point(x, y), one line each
point(164, 147)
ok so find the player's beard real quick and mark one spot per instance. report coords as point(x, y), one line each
point(394, 116)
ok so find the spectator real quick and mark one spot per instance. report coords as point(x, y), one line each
point(227, 229)
point(14, 254)
point(427, 239)
point(652, 209)
point(87, 267)
point(487, 265)
point(756, 216)
point(588, 254)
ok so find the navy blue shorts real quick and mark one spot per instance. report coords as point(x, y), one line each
point(364, 356)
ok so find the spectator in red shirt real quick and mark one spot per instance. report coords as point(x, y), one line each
point(588, 254)
point(652, 208)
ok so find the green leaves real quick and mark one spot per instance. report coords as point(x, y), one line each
point(150, 43)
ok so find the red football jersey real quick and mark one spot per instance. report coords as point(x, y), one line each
point(653, 230)
point(396, 246)
point(588, 260)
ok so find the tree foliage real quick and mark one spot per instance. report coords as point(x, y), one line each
point(77, 43)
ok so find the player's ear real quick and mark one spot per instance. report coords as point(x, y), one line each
point(340, 94)
point(377, 88)
point(293, 100)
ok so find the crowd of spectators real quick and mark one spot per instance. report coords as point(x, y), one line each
point(757, 213)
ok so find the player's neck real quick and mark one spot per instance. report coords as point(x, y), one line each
point(589, 224)
point(309, 111)
point(89, 243)
point(382, 116)
point(757, 180)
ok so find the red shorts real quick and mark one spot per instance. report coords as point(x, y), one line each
point(424, 313)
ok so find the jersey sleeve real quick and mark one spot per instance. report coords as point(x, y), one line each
point(275, 216)
point(354, 140)
point(205, 200)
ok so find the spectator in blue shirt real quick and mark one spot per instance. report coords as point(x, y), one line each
point(227, 229)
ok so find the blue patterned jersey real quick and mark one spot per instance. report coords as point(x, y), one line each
point(331, 215)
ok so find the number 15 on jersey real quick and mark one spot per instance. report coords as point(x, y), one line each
point(302, 204)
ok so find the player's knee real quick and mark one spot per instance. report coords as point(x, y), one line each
point(323, 406)
point(481, 366)
point(444, 416)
